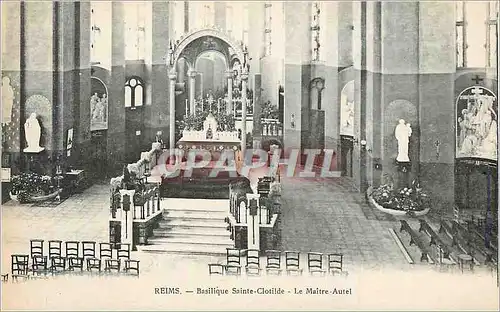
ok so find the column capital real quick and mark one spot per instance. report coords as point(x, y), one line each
point(172, 76)
point(229, 74)
point(193, 73)
point(244, 76)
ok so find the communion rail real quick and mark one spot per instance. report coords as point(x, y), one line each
point(135, 212)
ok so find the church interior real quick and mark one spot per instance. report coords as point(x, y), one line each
point(397, 101)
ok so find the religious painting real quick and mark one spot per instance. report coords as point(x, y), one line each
point(98, 105)
point(476, 128)
point(347, 109)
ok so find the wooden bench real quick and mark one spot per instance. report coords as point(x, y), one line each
point(414, 239)
point(473, 228)
point(457, 239)
point(435, 239)
point(481, 248)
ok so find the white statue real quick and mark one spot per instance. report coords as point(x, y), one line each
point(403, 133)
point(33, 132)
point(7, 100)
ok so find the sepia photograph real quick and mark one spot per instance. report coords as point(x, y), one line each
point(249, 155)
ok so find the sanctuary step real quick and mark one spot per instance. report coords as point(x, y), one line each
point(191, 226)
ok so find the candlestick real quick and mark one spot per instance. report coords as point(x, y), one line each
point(186, 107)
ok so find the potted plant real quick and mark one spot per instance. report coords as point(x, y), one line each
point(32, 187)
point(412, 201)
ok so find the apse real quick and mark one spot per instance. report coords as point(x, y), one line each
point(211, 66)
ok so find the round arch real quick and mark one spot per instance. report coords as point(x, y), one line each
point(199, 33)
point(218, 53)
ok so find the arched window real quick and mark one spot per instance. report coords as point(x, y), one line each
point(476, 31)
point(134, 92)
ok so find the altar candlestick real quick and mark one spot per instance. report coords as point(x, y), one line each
point(186, 107)
point(218, 106)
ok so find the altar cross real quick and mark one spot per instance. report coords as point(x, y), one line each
point(477, 79)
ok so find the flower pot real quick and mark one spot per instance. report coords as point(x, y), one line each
point(13, 197)
point(390, 211)
point(37, 199)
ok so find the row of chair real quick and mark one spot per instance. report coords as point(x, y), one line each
point(273, 266)
point(77, 255)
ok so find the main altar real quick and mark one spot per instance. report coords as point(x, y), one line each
point(202, 179)
point(210, 138)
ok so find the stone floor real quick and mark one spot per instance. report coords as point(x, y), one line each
point(327, 215)
point(318, 215)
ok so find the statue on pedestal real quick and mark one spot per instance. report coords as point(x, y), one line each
point(32, 132)
point(403, 133)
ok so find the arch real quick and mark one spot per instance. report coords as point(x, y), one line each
point(214, 52)
point(347, 99)
point(199, 33)
point(393, 112)
point(316, 87)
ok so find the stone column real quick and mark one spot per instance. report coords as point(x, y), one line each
point(201, 85)
point(244, 80)
point(229, 107)
point(192, 86)
point(172, 78)
point(257, 109)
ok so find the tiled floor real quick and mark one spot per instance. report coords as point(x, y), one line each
point(326, 215)
point(318, 215)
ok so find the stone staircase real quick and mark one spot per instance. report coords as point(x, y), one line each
point(191, 226)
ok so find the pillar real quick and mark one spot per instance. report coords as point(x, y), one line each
point(244, 80)
point(172, 78)
point(229, 107)
point(201, 85)
point(192, 86)
point(257, 109)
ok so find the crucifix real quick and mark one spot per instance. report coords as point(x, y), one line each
point(477, 79)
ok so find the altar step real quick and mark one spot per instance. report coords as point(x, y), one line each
point(191, 226)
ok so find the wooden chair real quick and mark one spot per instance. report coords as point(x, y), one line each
point(106, 254)
point(39, 265)
point(215, 269)
point(19, 267)
point(335, 263)
point(273, 265)
point(73, 256)
point(233, 261)
point(36, 247)
point(315, 263)
point(128, 264)
point(89, 255)
point(253, 262)
point(57, 261)
point(292, 263)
